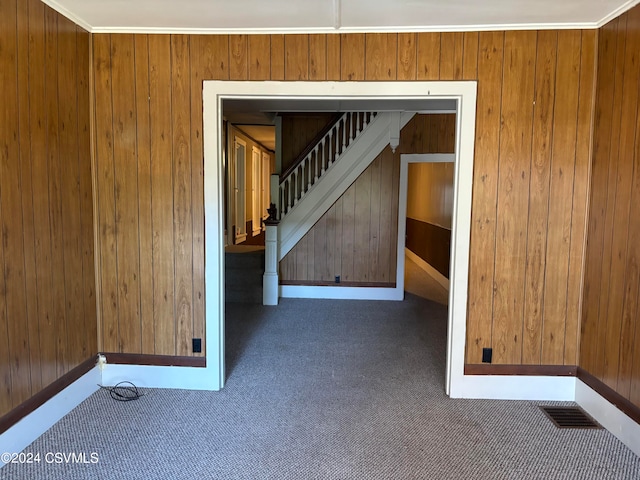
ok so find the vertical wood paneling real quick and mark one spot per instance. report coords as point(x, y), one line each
point(513, 139)
point(238, 57)
point(197, 184)
point(580, 194)
point(561, 197)
point(26, 188)
point(362, 225)
point(334, 58)
point(160, 108)
point(277, 57)
point(143, 144)
point(381, 56)
point(12, 268)
point(43, 170)
point(598, 199)
point(513, 188)
point(259, 57)
point(183, 226)
point(126, 194)
point(407, 56)
point(296, 57)
point(451, 46)
point(105, 191)
point(610, 297)
point(44, 274)
point(317, 57)
point(483, 216)
point(429, 53)
point(352, 57)
point(70, 189)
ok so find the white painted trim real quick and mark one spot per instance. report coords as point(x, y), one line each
point(70, 15)
point(154, 376)
point(625, 7)
point(28, 429)
point(368, 29)
point(514, 387)
point(429, 157)
point(609, 416)
point(464, 92)
point(429, 269)
point(341, 293)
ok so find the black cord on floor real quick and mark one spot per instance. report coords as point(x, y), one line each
point(124, 393)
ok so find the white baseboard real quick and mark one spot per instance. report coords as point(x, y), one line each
point(431, 271)
point(341, 293)
point(514, 387)
point(609, 416)
point(28, 429)
point(152, 376)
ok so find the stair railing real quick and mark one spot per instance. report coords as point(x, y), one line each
point(318, 157)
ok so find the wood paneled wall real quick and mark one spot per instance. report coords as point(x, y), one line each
point(611, 317)
point(535, 98)
point(298, 130)
point(433, 133)
point(47, 280)
point(357, 238)
point(430, 193)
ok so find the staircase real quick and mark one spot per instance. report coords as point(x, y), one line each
point(317, 180)
point(243, 276)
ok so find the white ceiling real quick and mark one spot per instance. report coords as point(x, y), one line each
point(281, 16)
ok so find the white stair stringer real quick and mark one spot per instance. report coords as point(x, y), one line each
point(336, 180)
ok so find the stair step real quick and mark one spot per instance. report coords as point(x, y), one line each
point(245, 260)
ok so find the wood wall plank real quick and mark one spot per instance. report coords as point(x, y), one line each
point(485, 192)
point(513, 188)
point(162, 184)
point(381, 56)
point(352, 56)
point(407, 67)
point(317, 57)
point(126, 194)
point(296, 57)
point(259, 57)
point(182, 221)
point(143, 144)
point(429, 53)
point(238, 57)
point(561, 197)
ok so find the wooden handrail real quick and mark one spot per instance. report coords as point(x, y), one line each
point(312, 144)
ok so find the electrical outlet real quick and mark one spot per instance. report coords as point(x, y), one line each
point(102, 362)
point(337, 278)
point(197, 345)
point(487, 353)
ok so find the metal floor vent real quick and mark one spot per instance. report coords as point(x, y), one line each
point(569, 417)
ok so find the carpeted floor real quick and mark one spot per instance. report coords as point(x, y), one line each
point(326, 390)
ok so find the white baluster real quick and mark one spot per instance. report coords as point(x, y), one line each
point(294, 179)
point(344, 133)
point(315, 165)
point(324, 152)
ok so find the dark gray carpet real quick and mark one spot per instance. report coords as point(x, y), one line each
point(326, 390)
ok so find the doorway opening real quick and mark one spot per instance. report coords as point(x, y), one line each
point(381, 95)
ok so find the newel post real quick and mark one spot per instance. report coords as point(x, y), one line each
point(270, 277)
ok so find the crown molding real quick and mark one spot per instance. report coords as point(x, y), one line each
point(70, 15)
point(330, 30)
point(337, 29)
point(628, 5)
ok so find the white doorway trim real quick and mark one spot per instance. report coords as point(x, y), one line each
point(214, 92)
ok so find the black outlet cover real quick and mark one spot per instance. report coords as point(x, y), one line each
point(486, 355)
point(197, 345)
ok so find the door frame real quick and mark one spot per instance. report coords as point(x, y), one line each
point(214, 92)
